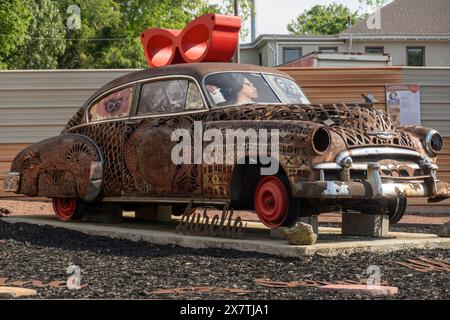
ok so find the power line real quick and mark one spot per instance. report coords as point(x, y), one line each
point(72, 39)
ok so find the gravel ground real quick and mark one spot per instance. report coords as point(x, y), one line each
point(113, 268)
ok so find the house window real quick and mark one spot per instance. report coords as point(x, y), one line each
point(260, 59)
point(290, 54)
point(375, 50)
point(328, 49)
point(415, 56)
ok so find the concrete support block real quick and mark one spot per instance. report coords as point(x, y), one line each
point(312, 220)
point(154, 213)
point(112, 215)
point(357, 224)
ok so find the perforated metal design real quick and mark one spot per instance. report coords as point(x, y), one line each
point(357, 124)
point(109, 137)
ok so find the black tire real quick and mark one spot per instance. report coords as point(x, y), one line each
point(396, 209)
point(294, 205)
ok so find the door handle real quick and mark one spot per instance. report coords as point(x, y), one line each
point(133, 122)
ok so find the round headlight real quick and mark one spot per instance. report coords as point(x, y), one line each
point(321, 140)
point(433, 143)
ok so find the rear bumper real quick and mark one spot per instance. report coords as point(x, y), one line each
point(11, 182)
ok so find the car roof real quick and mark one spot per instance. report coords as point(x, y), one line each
point(195, 70)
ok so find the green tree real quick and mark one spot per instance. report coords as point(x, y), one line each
point(139, 15)
point(375, 3)
point(46, 38)
point(15, 18)
point(100, 19)
point(326, 20)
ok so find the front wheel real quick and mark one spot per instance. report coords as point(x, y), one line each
point(68, 208)
point(274, 205)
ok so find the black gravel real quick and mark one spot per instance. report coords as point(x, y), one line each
point(114, 268)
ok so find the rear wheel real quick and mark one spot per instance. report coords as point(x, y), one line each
point(396, 209)
point(274, 204)
point(68, 208)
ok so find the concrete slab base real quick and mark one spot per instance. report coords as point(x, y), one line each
point(356, 224)
point(256, 239)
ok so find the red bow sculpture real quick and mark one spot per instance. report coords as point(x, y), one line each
point(209, 38)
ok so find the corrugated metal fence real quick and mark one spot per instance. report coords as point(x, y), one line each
point(36, 104)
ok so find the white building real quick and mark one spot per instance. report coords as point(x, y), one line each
point(413, 32)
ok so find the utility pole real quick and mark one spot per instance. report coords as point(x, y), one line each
point(238, 49)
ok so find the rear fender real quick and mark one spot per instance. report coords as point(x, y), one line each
point(69, 165)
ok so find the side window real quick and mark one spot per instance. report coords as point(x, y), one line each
point(194, 99)
point(115, 105)
point(163, 97)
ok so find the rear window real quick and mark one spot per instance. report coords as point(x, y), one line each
point(114, 105)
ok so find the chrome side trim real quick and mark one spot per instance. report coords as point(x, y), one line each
point(165, 200)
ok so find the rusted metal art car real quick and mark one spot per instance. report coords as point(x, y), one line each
point(117, 149)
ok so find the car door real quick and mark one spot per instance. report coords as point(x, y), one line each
point(164, 105)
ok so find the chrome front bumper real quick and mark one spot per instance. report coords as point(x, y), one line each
point(364, 190)
point(374, 187)
point(11, 182)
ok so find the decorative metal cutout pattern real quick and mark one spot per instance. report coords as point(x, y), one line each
point(353, 122)
point(56, 167)
point(137, 160)
point(109, 138)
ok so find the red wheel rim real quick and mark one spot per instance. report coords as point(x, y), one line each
point(271, 202)
point(64, 208)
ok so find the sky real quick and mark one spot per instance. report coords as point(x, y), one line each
point(273, 16)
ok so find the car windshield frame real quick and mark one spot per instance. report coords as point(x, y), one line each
point(263, 75)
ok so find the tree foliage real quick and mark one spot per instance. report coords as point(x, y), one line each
point(38, 34)
point(325, 20)
point(15, 17)
point(45, 38)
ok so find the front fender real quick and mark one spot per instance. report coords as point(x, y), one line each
point(66, 166)
point(296, 154)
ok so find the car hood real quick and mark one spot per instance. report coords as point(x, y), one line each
point(358, 124)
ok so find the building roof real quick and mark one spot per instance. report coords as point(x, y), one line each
point(430, 18)
point(262, 38)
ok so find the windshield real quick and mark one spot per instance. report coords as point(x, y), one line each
point(235, 88)
point(286, 89)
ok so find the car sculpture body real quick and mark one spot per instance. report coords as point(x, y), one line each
point(118, 149)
